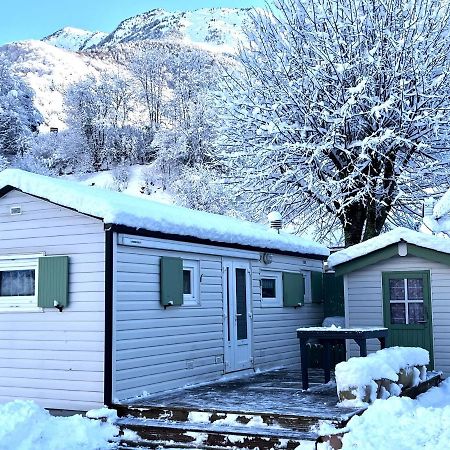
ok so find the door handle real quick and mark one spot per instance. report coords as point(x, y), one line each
point(239, 315)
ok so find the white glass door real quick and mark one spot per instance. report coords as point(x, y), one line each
point(237, 315)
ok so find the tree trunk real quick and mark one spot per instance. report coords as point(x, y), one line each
point(363, 222)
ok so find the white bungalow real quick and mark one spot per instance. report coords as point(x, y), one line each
point(104, 296)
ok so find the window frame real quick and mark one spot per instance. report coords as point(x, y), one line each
point(277, 301)
point(9, 304)
point(406, 301)
point(308, 290)
point(192, 299)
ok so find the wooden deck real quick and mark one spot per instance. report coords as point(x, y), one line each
point(266, 411)
point(276, 392)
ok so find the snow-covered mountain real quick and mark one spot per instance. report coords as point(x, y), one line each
point(57, 62)
point(49, 72)
point(74, 39)
point(213, 27)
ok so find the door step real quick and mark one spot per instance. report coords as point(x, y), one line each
point(176, 427)
point(238, 418)
point(153, 432)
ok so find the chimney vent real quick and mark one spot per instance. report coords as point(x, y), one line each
point(275, 220)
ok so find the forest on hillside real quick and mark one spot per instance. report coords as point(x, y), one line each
point(335, 113)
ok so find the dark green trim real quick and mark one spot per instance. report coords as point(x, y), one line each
point(367, 260)
point(430, 255)
point(109, 289)
point(293, 289)
point(406, 329)
point(317, 292)
point(389, 252)
point(171, 281)
point(53, 283)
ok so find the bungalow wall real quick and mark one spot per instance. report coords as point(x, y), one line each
point(275, 337)
point(55, 358)
point(157, 350)
point(364, 301)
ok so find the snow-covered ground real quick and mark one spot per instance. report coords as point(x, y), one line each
point(26, 426)
point(401, 423)
point(136, 183)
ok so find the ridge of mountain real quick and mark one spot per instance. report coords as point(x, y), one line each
point(219, 29)
point(74, 39)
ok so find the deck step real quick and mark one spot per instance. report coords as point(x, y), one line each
point(213, 435)
point(181, 414)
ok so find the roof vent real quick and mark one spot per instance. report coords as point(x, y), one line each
point(275, 220)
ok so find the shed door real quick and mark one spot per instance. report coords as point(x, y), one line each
point(237, 315)
point(407, 309)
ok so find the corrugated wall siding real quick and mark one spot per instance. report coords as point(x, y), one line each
point(158, 350)
point(364, 299)
point(55, 358)
point(275, 338)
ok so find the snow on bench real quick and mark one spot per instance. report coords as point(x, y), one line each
point(382, 374)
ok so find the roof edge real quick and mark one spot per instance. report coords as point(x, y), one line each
point(388, 252)
point(6, 189)
point(196, 240)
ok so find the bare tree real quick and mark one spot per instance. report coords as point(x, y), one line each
point(149, 66)
point(339, 114)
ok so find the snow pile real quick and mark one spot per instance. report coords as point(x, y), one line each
point(402, 423)
point(26, 426)
point(381, 374)
point(391, 237)
point(121, 209)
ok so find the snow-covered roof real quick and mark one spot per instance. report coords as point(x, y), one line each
point(384, 240)
point(140, 213)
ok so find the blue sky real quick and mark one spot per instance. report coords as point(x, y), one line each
point(34, 19)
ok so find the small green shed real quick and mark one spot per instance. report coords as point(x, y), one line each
point(401, 280)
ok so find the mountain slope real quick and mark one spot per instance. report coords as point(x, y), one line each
point(74, 39)
point(217, 28)
point(49, 72)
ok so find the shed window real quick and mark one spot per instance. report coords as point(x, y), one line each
point(191, 283)
point(271, 289)
point(406, 296)
point(18, 280)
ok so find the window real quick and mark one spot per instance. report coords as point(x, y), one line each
point(191, 283)
point(406, 298)
point(18, 283)
point(271, 289)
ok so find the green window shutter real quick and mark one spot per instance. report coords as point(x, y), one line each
point(293, 289)
point(317, 287)
point(171, 278)
point(53, 281)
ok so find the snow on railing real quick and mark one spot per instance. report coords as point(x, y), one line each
point(383, 374)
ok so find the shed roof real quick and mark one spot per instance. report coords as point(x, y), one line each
point(142, 214)
point(387, 240)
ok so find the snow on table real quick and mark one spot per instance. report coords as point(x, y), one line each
point(121, 209)
point(401, 423)
point(384, 240)
point(335, 329)
point(26, 426)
